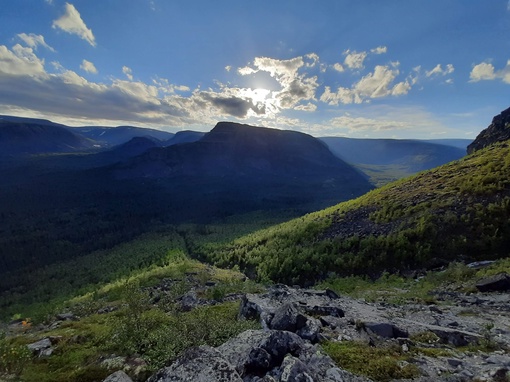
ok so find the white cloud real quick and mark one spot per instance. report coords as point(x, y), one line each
point(25, 87)
point(314, 58)
point(228, 68)
point(308, 107)
point(379, 50)
point(384, 121)
point(376, 84)
point(166, 87)
point(128, 72)
point(72, 23)
point(366, 124)
point(88, 67)
point(439, 71)
point(34, 40)
point(245, 71)
point(354, 60)
point(485, 71)
point(20, 61)
point(338, 67)
point(50, 2)
point(295, 87)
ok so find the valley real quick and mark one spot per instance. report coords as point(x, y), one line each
point(161, 245)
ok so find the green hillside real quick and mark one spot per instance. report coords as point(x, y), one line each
point(459, 211)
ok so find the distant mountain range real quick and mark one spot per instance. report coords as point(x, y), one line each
point(61, 206)
point(26, 138)
point(385, 160)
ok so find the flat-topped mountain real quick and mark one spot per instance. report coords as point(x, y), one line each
point(244, 150)
point(25, 138)
point(498, 131)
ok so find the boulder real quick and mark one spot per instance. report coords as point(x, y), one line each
point(385, 330)
point(202, 364)
point(499, 282)
point(259, 350)
point(67, 317)
point(41, 348)
point(118, 376)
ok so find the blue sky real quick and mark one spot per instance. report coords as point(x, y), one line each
point(368, 68)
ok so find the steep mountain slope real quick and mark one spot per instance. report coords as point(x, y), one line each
point(26, 138)
point(459, 211)
point(390, 159)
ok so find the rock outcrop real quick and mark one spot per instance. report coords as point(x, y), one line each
point(498, 131)
point(256, 356)
point(295, 320)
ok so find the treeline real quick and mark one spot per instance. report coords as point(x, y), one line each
point(460, 211)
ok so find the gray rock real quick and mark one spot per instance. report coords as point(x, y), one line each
point(311, 330)
point(39, 346)
point(287, 318)
point(293, 370)
point(385, 330)
point(456, 338)
point(499, 282)
point(318, 310)
point(189, 301)
point(118, 376)
point(498, 359)
point(274, 345)
point(67, 317)
point(454, 362)
point(202, 364)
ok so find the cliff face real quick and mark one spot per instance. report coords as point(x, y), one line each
point(498, 130)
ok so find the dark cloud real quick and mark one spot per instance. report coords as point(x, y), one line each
point(234, 106)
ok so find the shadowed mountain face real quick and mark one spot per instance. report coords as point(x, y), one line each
point(267, 161)
point(22, 138)
point(498, 131)
point(244, 150)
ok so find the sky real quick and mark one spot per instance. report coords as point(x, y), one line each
point(421, 69)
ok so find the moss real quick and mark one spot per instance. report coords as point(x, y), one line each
point(379, 364)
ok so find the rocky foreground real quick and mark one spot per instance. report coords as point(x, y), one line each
point(465, 338)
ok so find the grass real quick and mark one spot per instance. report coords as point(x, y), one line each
point(461, 208)
point(380, 364)
point(156, 331)
point(396, 289)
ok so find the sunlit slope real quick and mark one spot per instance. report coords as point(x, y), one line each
point(459, 211)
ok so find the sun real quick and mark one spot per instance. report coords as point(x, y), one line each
point(257, 95)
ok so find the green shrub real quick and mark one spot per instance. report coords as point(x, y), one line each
point(13, 357)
